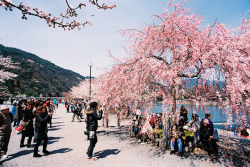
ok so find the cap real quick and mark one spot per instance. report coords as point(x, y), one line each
point(4, 107)
point(185, 127)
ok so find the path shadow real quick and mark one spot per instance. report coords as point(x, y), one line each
point(231, 153)
point(57, 118)
point(15, 155)
point(105, 153)
point(121, 132)
point(61, 151)
point(53, 139)
point(53, 126)
point(57, 122)
point(236, 151)
point(101, 131)
point(54, 129)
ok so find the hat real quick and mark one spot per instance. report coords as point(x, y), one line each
point(185, 127)
point(206, 121)
point(3, 107)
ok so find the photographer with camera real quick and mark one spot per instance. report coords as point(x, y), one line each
point(92, 124)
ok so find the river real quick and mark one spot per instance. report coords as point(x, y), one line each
point(219, 115)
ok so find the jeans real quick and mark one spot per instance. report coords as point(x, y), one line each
point(4, 142)
point(179, 143)
point(197, 137)
point(93, 140)
point(28, 142)
point(45, 143)
point(16, 123)
point(137, 130)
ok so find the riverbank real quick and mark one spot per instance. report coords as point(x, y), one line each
point(189, 102)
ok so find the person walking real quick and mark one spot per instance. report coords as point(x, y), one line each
point(28, 130)
point(6, 118)
point(75, 111)
point(92, 124)
point(15, 114)
point(67, 106)
point(41, 130)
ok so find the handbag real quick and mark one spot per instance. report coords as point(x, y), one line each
point(86, 135)
point(24, 125)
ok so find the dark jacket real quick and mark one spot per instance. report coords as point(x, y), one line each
point(206, 132)
point(28, 117)
point(5, 123)
point(92, 119)
point(41, 123)
point(20, 111)
point(176, 131)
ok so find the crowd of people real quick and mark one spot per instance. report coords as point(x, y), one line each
point(184, 135)
point(77, 107)
point(30, 118)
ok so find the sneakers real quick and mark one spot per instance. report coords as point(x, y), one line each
point(171, 152)
point(4, 156)
point(179, 153)
point(28, 145)
point(22, 145)
point(37, 155)
point(92, 158)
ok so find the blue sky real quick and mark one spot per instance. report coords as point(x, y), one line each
point(74, 49)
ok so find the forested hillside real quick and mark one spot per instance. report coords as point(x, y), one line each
point(37, 76)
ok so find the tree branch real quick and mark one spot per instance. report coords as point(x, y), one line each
point(70, 12)
point(160, 58)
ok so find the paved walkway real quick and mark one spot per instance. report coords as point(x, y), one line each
point(67, 146)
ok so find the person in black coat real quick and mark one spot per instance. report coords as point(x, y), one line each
point(20, 108)
point(29, 129)
point(41, 130)
point(207, 138)
point(92, 124)
point(184, 113)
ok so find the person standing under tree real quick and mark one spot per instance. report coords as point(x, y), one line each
point(92, 124)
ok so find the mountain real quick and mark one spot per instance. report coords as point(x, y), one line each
point(37, 76)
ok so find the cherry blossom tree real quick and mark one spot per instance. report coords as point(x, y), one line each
point(65, 20)
point(175, 47)
point(7, 63)
point(82, 90)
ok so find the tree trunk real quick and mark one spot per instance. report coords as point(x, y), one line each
point(173, 107)
point(168, 121)
point(118, 120)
